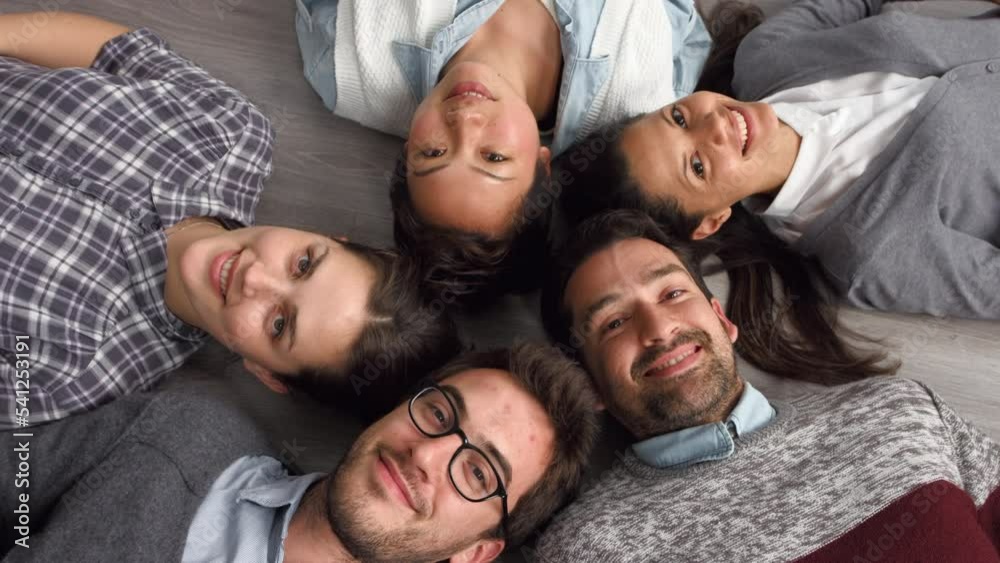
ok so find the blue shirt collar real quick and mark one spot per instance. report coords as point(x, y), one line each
point(707, 442)
point(285, 495)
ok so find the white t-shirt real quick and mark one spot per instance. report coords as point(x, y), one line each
point(844, 124)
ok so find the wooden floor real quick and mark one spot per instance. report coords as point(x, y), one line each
point(330, 176)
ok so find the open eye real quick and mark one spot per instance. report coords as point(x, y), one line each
point(303, 265)
point(433, 153)
point(613, 325)
point(277, 326)
point(494, 157)
point(697, 166)
point(678, 117)
point(674, 294)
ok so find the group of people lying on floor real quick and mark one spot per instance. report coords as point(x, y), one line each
point(599, 151)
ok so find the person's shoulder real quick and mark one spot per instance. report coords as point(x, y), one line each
point(873, 395)
point(183, 419)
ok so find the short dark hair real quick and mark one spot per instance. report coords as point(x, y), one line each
point(569, 400)
point(592, 236)
point(407, 335)
point(474, 267)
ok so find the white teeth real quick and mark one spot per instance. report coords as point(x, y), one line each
point(678, 359)
point(224, 274)
point(475, 95)
point(674, 361)
point(743, 129)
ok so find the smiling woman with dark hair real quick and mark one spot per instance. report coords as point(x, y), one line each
point(485, 93)
point(858, 154)
point(128, 183)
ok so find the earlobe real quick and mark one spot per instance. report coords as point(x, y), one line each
point(711, 223)
point(266, 377)
point(483, 551)
point(731, 329)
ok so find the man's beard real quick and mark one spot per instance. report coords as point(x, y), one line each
point(367, 539)
point(659, 409)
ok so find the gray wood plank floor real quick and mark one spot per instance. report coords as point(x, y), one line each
point(330, 176)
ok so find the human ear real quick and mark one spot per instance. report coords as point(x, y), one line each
point(731, 329)
point(266, 377)
point(711, 223)
point(482, 551)
point(545, 156)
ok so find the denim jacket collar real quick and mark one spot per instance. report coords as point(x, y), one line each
point(582, 77)
point(707, 442)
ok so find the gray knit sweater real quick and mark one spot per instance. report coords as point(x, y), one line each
point(919, 230)
point(828, 478)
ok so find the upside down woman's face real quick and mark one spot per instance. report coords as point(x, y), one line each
point(709, 151)
point(284, 299)
point(473, 152)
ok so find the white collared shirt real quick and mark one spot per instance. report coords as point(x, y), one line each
point(844, 124)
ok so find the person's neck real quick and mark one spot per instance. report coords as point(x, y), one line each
point(522, 43)
point(783, 154)
point(310, 538)
point(179, 238)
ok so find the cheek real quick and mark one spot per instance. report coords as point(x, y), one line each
point(425, 126)
point(519, 125)
point(614, 360)
point(242, 327)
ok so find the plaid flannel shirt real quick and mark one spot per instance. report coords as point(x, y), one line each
point(94, 164)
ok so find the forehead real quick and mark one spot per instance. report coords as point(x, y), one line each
point(622, 268)
point(500, 410)
point(457, 197)
point(332, 307)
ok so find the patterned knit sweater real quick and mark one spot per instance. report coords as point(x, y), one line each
point(881, 470)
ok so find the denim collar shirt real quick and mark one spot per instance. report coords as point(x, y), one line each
point(708, 442)
point(246, 513)
point(584, 76)
point(94, 164)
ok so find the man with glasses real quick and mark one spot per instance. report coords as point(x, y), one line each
point(878, 470)
point(490, 447)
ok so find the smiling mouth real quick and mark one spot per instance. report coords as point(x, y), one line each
point(395, 482)
point(743, 128)
point(471, 90)
point(675, 362)
point(226, 272)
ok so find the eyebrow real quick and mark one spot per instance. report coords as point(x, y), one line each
point(483, 171)
point(647, 277)
point(293, 323)
point(488, 445)
point(684, 157)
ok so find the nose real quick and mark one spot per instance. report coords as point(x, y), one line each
point(465, 118)
point(718, 128)
point(431, 456)
point(656, 325)
point(259, 282)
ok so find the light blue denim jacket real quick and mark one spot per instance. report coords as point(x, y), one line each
point(582, 77)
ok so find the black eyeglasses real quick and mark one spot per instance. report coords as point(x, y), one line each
point(471, 471)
